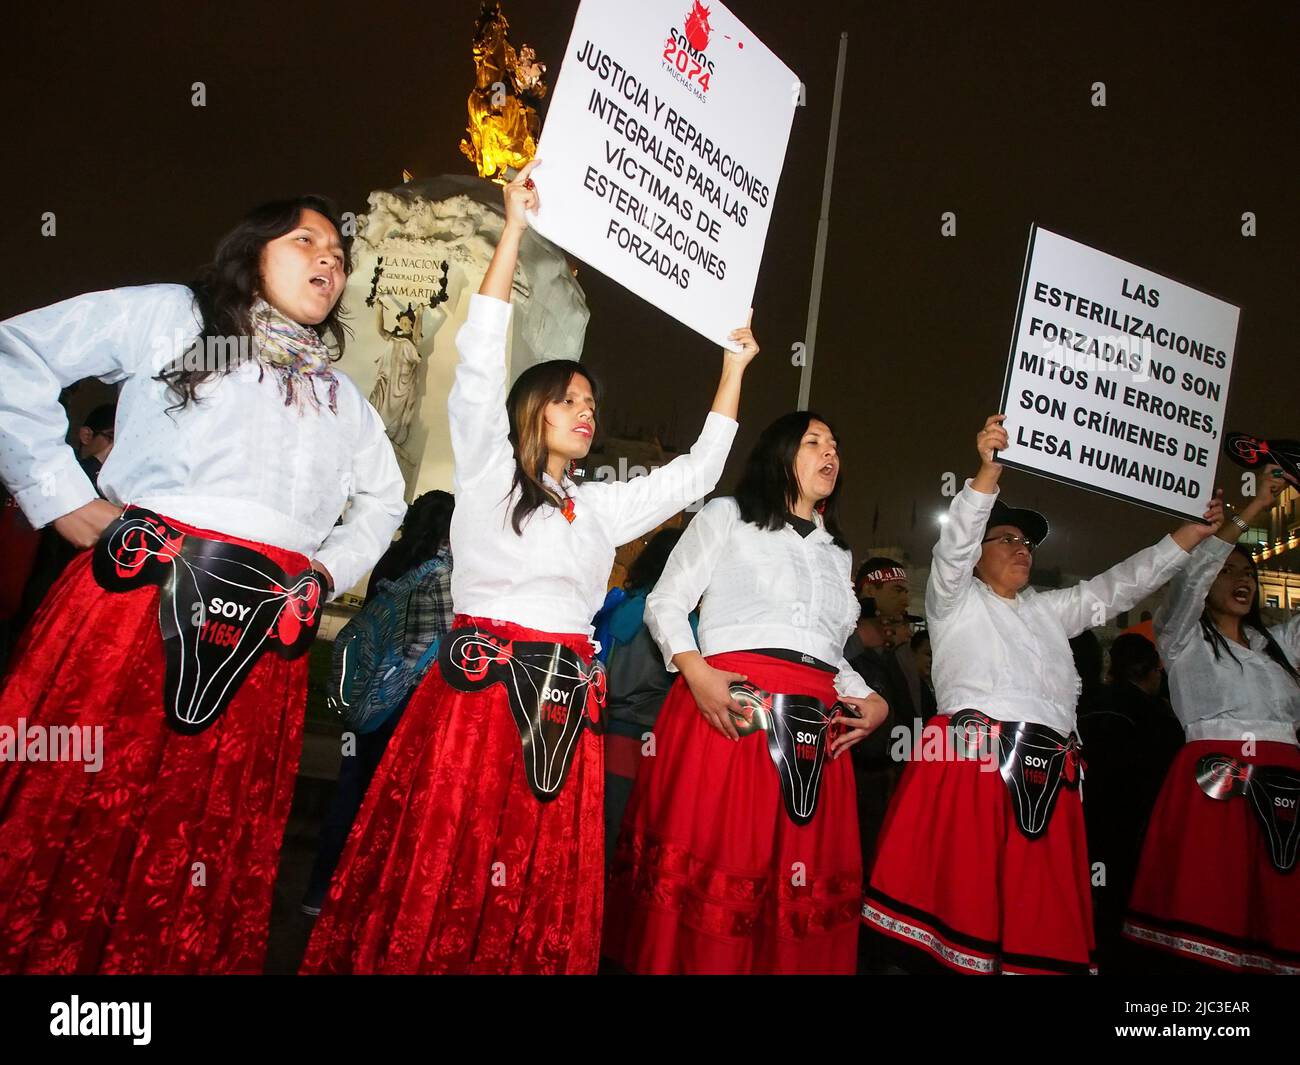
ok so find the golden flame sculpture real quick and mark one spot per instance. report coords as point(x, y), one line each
point(503, 121)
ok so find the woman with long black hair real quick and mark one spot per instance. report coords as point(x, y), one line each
point(425, 533)
point(480, 847)
point(739, 851)
point(1217, 884)
point(172, 656)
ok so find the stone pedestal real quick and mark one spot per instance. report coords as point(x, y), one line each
point(406, 364)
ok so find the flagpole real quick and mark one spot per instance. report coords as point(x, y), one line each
point(823, 226)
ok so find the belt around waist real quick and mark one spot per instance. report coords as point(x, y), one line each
point(1223, 730)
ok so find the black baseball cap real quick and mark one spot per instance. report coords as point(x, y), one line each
point(1032, 525)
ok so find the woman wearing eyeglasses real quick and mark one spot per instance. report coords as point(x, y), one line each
point(983, 862)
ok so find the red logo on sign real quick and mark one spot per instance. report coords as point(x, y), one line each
point(684, 56)
point(697, 26)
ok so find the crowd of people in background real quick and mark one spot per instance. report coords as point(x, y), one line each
point(35, 558)
point(539, 771)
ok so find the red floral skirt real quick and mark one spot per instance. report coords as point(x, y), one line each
point(162, 858)
point(1206, 887)
point(453, 865)
point(955, 876)
point(710, 874)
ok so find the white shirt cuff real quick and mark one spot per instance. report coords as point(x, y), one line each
point(1213, 547)
point(852, 686)
point(60, 488)
point(719, 430)
point(979, 500)
point(1169, 553)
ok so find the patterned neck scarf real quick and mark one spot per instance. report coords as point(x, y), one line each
point(295, 353)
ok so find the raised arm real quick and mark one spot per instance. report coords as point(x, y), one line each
point(643, 503)
point(952, 571)
point(476, 407)
point(953, 568)
point(1272, 482)
point(520, 197)
point(1094, 602)
point(726, 400)
point(110, 335)
point(1288, 635)
point(1178, 619)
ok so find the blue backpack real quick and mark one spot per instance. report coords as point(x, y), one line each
point(370, 677)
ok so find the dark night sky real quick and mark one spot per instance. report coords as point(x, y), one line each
point(982, 109)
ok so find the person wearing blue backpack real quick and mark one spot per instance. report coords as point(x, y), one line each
point(379, 658)
point(638, 681)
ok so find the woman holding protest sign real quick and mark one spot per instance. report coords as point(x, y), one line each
point(1217, 882)
point(740, 857)
point(480, 847)
point(983, 860)
point(179, 634)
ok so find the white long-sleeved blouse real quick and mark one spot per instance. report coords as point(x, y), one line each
point(1010, 658)
point(756, 588)
point(553, 575)
point(239, 461)
point(1232, 696)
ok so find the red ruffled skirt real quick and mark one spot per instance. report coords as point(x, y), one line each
point(453, 865)
point(955, 876)
point(1206, 887)
point(710, 874)
point(163, 859)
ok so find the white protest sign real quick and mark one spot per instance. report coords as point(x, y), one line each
point(661, 152)
point(1118, 377)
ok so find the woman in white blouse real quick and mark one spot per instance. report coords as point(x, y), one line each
point(739, 851)
point(983, 862)
point(1217, 883)
point(480, 846)
point(158, 695)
